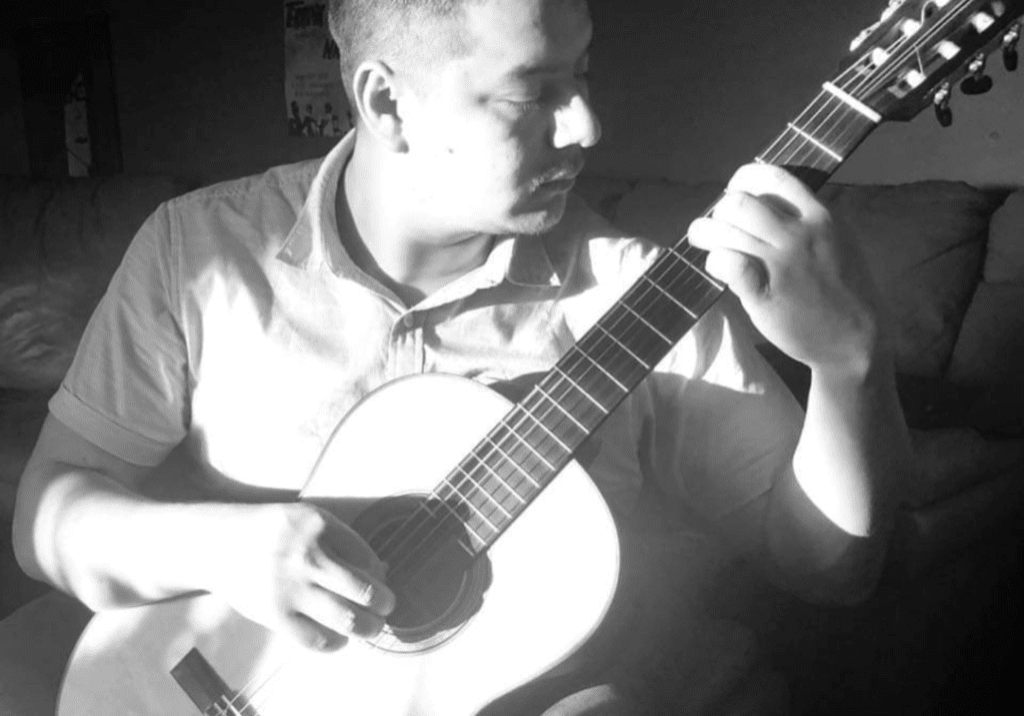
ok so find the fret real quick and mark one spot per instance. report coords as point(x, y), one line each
point(488, 494)
point(612, 358)
point(817, 144)
point(643, 343)
point(587, 412)
point(479, 512)
point(623, 346)
point(508, 458)
point(672, 251)
point(565, 376)
point(468, 488)
point(663, 311)
point(454, 513)
point(647, 279)
point(647, 323)
point(494, 475)
point(600, 367)
point(583, 428)
point(691, 289)
point(540, 423)
point(494, 483)
point(826, 132)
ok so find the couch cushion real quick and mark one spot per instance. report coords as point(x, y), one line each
point(60, 242)
point(990, 348)
point(925, 244)
point(1005, 258)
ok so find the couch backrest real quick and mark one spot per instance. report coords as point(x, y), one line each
point(60, 242)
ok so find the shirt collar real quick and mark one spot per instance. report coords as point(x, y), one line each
point(314, 242)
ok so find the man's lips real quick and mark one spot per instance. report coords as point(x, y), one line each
point(563, 177)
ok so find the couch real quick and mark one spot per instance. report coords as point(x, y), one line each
point(949, 259)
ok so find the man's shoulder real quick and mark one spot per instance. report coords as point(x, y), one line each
point(247, 219)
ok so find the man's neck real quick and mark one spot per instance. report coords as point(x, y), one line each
point(381, 233)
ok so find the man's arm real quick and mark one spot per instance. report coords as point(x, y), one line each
point(81, 524)
point(830, 511)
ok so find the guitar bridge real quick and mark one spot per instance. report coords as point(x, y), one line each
point(207, 690)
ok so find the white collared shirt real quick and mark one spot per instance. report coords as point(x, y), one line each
point(238, 326)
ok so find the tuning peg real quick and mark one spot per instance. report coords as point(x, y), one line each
point(977, 82)
point(941, 102)
point(1010, 47)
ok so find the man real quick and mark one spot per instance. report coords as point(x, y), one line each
point(248, 318)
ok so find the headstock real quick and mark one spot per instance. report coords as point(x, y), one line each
point(911, 57)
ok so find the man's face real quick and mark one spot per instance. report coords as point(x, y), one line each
point(497, 134)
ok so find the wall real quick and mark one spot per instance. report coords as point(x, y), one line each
point(693, 92)
point(686, 90)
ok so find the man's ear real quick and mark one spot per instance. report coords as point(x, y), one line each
point(376, 95)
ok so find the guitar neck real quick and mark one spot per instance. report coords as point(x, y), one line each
point(897, 67)
point(539, 436)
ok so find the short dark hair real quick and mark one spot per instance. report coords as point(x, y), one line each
point(362, 28)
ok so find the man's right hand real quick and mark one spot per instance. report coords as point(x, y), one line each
point(82, 524)
point(298, 570)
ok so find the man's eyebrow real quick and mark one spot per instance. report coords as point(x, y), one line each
point(527, 70)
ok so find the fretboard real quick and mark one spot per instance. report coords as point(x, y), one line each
point(507, 470)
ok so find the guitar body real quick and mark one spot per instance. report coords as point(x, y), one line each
point(535, 596)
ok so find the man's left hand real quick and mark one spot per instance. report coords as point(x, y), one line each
point(777, 248)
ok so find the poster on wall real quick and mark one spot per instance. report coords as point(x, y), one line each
point(314, 95)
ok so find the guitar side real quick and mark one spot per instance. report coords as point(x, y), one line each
point(553, 574)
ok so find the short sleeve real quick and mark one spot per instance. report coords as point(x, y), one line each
point(721, 421)
point(126, 390)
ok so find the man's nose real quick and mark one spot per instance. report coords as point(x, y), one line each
point(576, 123)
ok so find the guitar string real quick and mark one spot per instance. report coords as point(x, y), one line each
point(477, 484)
point(491, 513)
point(864, 78)
point(569, 387)
point(805, 145)
point(914, 42)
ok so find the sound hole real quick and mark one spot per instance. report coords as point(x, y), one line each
point(438, 583)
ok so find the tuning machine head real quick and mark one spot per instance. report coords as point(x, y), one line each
point(977, 82)
point(940, 100)
point(1010, 57)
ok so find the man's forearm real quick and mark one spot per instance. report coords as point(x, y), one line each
point(110, 547)
point(830, 516)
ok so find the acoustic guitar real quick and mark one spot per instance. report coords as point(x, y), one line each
point(501, 570)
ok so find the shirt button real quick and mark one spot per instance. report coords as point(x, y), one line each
point(408, 320)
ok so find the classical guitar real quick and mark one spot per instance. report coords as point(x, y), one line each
point(501, 570)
